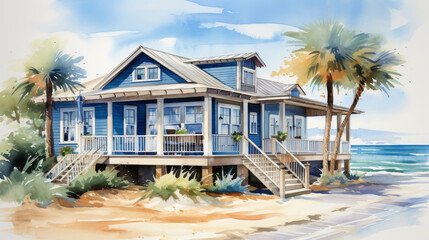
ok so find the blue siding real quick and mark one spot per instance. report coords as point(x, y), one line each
point(100, 121)
point(118, 117)
point(224, 72)
point(256, 138)
point(248, 63)
point(272, 108)
point(295, 92)
point(124, 79)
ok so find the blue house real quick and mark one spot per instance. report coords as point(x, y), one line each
point(157, 111)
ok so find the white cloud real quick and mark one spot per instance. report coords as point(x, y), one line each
point(168, 43)
point(257, 31)
point(397, 19)
point(111, 34)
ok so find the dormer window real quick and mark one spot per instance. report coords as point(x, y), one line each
point(248, 76)
point(146, 73)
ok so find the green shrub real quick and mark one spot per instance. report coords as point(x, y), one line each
point(356, 175)
point(226, 184)
point(92, 180)
point(66, 150)
point(328, 179)
point(237, 136)
point(281, 136)
point(181, 131)
point(167, 186)
point(20, 184)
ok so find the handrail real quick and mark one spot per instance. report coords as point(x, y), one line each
point(59, 163)
point(262, 152)
point(293, 156)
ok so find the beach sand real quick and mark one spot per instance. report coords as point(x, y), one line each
point(364, 210)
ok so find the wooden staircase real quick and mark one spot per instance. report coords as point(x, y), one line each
point(71, 166)
point(281, 172)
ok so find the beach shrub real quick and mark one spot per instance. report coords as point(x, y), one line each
point(328, 179)
point(92, 180)
point(66, 150)
point(356, 175)
point(227, 184)
point(21, 183)
point(168, 185)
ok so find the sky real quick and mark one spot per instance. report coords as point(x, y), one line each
point(105, 32)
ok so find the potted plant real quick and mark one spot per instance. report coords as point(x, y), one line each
point(66, 150)
point(237, 136)
point(281, 136)
point(181, 131)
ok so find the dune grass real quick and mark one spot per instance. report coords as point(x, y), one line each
point(226, 183)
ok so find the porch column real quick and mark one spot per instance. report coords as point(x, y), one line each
point(243, 172)
point(339, 120)
point(262, 123)
point(160, 126)
point(160, 170)
point(109, 128)
point(207, 127)
point(207, 175)
point(245, 126)
point(282, 117)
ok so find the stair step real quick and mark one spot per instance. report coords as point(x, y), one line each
point(296, 192)
point(293, 186)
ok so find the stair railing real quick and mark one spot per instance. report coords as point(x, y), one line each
point(265, 164)
point(63, 163)
point(293, 164)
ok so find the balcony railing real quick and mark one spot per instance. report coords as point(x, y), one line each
point(307, 146)
point(134, 143)
point(183, 143)
point(92, 143)
point(225, 144)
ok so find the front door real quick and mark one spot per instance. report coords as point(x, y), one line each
point(274, 124)
point(289, 127)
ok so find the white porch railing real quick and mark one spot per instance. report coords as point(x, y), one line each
point(63, 163)
point(94, 143)
point(296, 167)
point(306, 146)
point(225, 143)
point(183, 143)
point(134, 143)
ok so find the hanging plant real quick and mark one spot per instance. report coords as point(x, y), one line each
point(66, 150)
point(281, 136)
point(237, 136)
point(182, 131)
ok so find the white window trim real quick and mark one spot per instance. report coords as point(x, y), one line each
point(125, 128)
point(248, 70)
point(303, 130)
point(182, 106)
point(269, 123)
point(62, 110)
point(93, 118)
point(231, 106)
point(289, 135)
point(255, 114)
point(146, 74)
point(147, 116)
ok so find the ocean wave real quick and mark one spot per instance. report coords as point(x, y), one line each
point(382, 173)
point(380, 168)
point(419, 154)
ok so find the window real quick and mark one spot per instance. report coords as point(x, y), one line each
point(248, 76)
point(194, 119)
point(151, 121)
point(88, 122)
point(146, 73)
point(253, 123)
point(68, 125)
point(299, 126)
point(274, 124)
point(171, 118)
point(289, 126)
point(130, 120)
point(229, 119)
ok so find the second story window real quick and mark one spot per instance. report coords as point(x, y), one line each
point(146, 73)
point(248, 76)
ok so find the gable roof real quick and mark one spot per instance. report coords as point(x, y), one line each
point(176, 64)
point(267, 87)
point(229, 58)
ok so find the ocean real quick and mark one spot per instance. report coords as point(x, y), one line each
point(390, 158)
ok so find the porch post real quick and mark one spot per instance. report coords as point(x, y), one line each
point(207, 175)
point(207, 127)
point(263, 126)
point(109, 128)
point(160, 126)
point(339, 118)
point(282, 117)
point(245, 119)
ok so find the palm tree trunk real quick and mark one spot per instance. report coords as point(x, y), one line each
point(328, 120)
point(343, 125)
point(48, 115)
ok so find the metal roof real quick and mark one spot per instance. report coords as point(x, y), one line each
point(228, 58)
point(267, 87)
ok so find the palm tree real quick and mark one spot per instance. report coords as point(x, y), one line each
point(372, 71)
point(326, 48)
point(49, 70)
